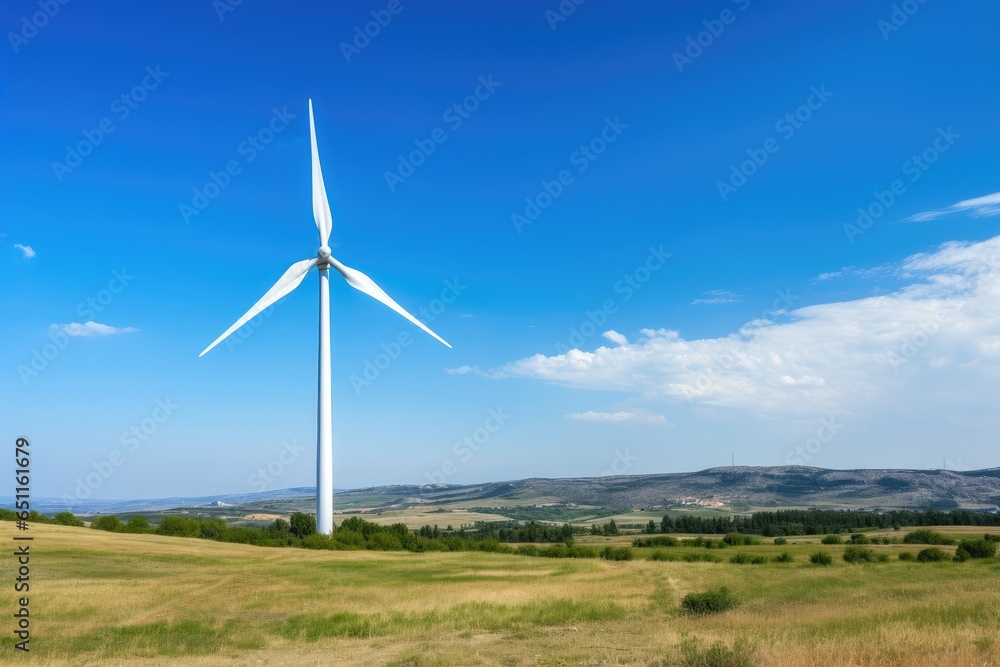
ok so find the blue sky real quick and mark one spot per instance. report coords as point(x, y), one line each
point(645, 218)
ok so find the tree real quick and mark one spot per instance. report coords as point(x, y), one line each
point(650, 527)
point(279, 526)
point(303, 524)
point(180, 526)
point(67, 519)
point(110, 522)
point(611, 528)
point(137, 523)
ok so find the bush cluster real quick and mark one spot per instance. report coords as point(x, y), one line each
point(927, 536)
point(981, 548)
point(710, 602)
point(931, 555)
point(854, 554)
point(821, 558)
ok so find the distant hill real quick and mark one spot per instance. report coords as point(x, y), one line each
point(729, 487)
point(779, 486)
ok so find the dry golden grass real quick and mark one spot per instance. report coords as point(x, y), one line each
point(111, 599)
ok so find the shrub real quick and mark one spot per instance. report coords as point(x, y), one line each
point(699, 558)
point(317, 541)
point(991, 538)
point(211, 529)
point(563, 551)
point(342, 539)
point(821, 558)
point(859, 555)
point(783, 557)
point(860, 538)
point(932, 555)
point(110, 523)
point(739, 540)
point(906, 555)
point(706, 542)
point(927, 536)
point(67, 519)
point(662, 555)
point(527, 550)
point(710, 602)
point(658, 541)
point(616, 553)
point(745, 558)
point(280, 526)
point(833, 539)
point(715, 655)
point(975, 549)
point(780, 541)
point(305, 524)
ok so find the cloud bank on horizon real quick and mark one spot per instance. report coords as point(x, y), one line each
point(943, 328)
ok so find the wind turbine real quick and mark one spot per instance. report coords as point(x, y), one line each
point(291, 279)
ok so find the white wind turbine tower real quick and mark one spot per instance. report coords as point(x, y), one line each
point(291, 279)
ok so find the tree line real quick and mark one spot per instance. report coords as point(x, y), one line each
point(819, 522)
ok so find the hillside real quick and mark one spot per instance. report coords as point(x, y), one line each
point(739, 487)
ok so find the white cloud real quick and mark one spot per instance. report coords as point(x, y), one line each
point(716, 296)
point(90, 329)
point(849, 271)
point(980, 207)
point(591, 416)
point(944, 327)
point(615, 337)
point(28, 251)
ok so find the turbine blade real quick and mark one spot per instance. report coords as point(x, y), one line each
point(363, 283)
point(291, 279)
point(321, 205)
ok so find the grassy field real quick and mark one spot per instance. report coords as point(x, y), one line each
point(110, 599)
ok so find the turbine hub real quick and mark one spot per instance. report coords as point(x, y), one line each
point(324, 252)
